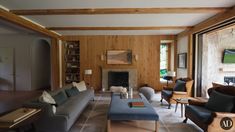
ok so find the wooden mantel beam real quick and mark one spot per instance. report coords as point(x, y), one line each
point(91, 11)
point(10, 17)
point(119, 28)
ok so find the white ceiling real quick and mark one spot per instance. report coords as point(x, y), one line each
point(7, 28)
point(118, 20)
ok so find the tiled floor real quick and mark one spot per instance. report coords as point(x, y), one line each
point(94, 119)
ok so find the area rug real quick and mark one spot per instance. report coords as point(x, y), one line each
point(94, 118)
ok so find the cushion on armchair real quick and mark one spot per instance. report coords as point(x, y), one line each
point(180, 86)
point(200, 112)
point(220, 102)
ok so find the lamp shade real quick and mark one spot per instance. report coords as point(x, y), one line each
point(171, 73)
point(88, 72)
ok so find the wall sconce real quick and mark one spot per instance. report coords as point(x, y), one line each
point(102, 57)
point(88, 72)
point(136, 57)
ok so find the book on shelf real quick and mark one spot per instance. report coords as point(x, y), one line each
point(137, 104)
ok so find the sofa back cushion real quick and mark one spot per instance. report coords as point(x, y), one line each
point(220, 102)
point(47, 98)
point(180, 86)
point(71, 92)
point(60, 98)
point(81, 86)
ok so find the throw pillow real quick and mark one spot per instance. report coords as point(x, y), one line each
point(53, 109)
point(60, 98)
point(81, 86)
point(220, 102)
point(71, 92)
point(180, 86)
point(47, 98)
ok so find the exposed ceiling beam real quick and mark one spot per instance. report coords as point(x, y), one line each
point(10, 17)
point(210, 22)
point(119, 28)
point(90, 11)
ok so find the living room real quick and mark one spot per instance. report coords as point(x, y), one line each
point(144, 46)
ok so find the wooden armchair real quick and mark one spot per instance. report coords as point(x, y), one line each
point(212, 120)
point(169, 94)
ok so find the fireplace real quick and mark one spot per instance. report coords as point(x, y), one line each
point(118, 79)
point(122, 77)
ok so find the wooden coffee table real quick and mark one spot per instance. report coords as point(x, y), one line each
point(184, 101)
point(18, 118)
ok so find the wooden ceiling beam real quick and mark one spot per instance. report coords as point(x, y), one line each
point(210, 22)
point(119, 28)
point(90, 11)
point(10, 17)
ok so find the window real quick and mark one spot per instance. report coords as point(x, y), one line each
point(163, 59)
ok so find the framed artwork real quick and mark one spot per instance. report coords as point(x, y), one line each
point(182, 60)
point(119, 57)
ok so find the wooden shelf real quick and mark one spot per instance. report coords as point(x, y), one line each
point(72, 62)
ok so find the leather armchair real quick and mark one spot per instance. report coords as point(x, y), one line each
point(210, 120)
point(169, 94)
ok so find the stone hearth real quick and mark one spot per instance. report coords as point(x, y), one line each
point(132, 77)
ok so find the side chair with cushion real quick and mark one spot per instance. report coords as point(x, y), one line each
point(216, 115)
point(182, 89)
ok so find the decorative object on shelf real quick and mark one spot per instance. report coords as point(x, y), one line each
point(72, 61)
point(119, 57)
point(182, 60)
point(169, 77)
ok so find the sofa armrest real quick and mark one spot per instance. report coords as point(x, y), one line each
point(180, 93)
point(196, 102)
point(46, 108)
point(218, 119)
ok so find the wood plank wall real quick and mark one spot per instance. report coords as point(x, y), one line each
point(146, 47)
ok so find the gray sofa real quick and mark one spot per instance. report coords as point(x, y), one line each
point(66, 114)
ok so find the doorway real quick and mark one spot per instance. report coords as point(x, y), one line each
point(41, 65)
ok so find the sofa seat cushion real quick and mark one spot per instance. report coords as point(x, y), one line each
point(199, 112)
point(167, 93)
point(67, 109)
point(74, 106)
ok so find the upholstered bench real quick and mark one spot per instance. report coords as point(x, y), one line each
point(120, 110)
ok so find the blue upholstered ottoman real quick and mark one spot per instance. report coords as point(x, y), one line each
point(120, 110)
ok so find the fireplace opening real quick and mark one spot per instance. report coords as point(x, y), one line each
point(118, 79)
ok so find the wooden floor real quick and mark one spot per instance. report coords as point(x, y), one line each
point(12, 100)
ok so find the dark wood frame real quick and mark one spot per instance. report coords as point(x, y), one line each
point(184, 59)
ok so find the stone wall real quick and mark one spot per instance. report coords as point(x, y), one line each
point(213, 70)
